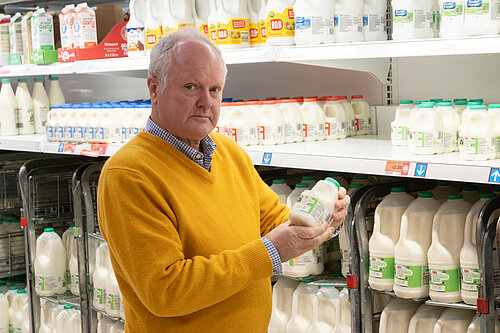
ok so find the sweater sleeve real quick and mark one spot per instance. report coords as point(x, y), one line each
point(146, 248)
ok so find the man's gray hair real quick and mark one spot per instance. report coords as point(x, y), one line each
point(162, 53)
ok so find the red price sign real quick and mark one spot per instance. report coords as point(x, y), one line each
point(397, 168)
point(69, 147)
point(95, 150)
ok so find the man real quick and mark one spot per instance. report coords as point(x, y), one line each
point(194, 234)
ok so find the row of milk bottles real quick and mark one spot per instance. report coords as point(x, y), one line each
point(107, 122)
point(108, 325)
point(443, 127)
point(288, 120)
point(426, 247)
point(56, 263)
point(300, 307)
point(412, 317)
point(59, 318)
point(14, 312)
point(23, 113)
point(78, 26)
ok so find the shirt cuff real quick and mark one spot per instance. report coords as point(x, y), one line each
point(273, 253)
point(336, 232)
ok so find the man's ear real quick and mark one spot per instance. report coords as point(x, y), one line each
point(154, 89)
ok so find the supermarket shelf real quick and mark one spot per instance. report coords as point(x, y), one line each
point(96, 236)
point(13, 273)
point(67, 298)
point(102, 313)
point(35, 70)
point(452, 305)
point(30, 143)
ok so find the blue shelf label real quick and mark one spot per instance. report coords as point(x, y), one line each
point(61, 148)
point(266, 159)
point(421, 170)
point(494, 176)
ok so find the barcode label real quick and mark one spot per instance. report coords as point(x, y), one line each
point(245, 37)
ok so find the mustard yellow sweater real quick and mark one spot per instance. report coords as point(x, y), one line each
point(184, 242)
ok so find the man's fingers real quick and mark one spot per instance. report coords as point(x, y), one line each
point(310, 232)
point(342, 193)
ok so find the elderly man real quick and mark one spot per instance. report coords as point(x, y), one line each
point(194, 234)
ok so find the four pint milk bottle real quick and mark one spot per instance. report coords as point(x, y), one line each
point(280, 27)
point(4, 313)
point(201, 10)
point(343, 320)
point(397, 315)
point(350, 116)
point(444, 253)
point(294, 121)
point(271, 124)
point(50, 264)
point(363, 115)
point(324, 310)
point(425, 319)
point(451, 122)
point(302, 307)
point(314, 120)
point(153, 24)
point(177, 14)
point(100, 277)
point(454, 320)
point(411, 278)
point(477, 135)
point(8, 105)
point(385, 236)
point(282, 304)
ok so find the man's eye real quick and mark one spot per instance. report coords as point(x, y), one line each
point(190, 87)
point(215, 90)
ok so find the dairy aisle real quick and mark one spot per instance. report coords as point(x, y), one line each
point(396, 100)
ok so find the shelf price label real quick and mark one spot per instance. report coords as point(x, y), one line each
point(95, 150)
point(397, 168)
point(67, 148)
point(494, 176)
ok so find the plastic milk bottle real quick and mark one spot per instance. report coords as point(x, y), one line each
point(314, 120)
point(50, 264)
point(477, 135)
point(136, 35)
point(451, 122)
point(56, 96)
point(113, 297)
point(100, 277)
point(8, 104)
point(280, 27)
point(40, 105)
point(281, 189)
point(324, 310)
point(271, 124)
point(349, 21)
point(454, 320)
point(314, 22)
point(399, 127)
point(397, 315)
point(18, 302)
point(385, 236)
point(73, 269)
point(475, 324)
point(363, 115)
point(375, 20)
point(350, 116)
point(294, 121)
point(424, 319)
point(201, 10)
point(343, 320)
point(426, 131)
point(336, 119)
point(411, 278)
point(444, 252)
point(494, 112)
point(152, 24)
point(234, 20)
point(25, 121)
point(242, 123)
point(302, 307)
point(282, 304)
point(4, 313)
point(258, 18)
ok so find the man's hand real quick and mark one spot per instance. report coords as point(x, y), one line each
point(293, 241)
point(340, 212)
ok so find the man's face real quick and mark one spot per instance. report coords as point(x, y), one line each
point(189, 107)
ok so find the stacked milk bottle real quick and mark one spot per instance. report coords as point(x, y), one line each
point(300, 307)
point(57, 317)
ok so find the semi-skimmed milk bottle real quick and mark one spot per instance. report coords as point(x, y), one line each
point(469, 266)
point(350, 116)
point(8, 105)
point(443, 190)
point(385, 236)
point(426, 131)
point(324, 310)
point(18, 302)
point(314, 120)
point(349, 21)
point(4, 313)
point(309, 263)
point(397, 315)
point(477, 135)
point(84, 27)
point(343, 320)
point(470, 193)
point(314, 22)
point(282, 304)
point(41, 105)
point(425, 319)
point(271, 124)
point(280, 22)
point(454, 320)
point(494, 112)
point(475, 325)
point(136, 34)
point(294, 121)
point(363, 115)
point(74, 280)
point(336, 119)
point(113, 296)
point(295, 194)
point(242, 123)
point(451, 122)
point(100, 276)
point(302, 307)
point(317, 205)
point(375, 20)
point(25, 120)
point(50, 264)
point(467, 110)
point(280, 187)
point(444, 253)
point(411, 278)
point(399, 127)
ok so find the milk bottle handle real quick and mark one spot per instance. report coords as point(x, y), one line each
point(42, 245)
point(338, 314)
point(151, 11)
point(194, 12)
point(221, 5)
point(295, 305)
point(315, 309)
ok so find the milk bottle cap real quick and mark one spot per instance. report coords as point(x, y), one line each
point(279, 181)
point(38, 79)
point(494, 106)
point(419, 102)
point(331, 180)
point(21, 80)
point(398, 190)
point(478, 108)
point(310, 99)
point(455, 197)
point(480, 100)
point(54, 78)
point(487, 195)
point(332, 99)
point(427, 105)
point(68, 307)
point(357, 97)
point(48, 230)
point(445, 103)
point(406, 101)
point(473, 103)
point(5, 80)
point(436, 100)
point(307, 281)
point(461, 102)
point(308, 178)
point(342, 97)
point(21, 291)
point(425, 195)
point(302, 185)
point(459, 99)
point(13, 288)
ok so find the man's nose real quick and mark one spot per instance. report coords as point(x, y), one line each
point(204, 99)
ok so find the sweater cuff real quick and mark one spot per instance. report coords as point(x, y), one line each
point(275, 257)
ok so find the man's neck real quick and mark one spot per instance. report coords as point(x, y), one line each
point(195, 144)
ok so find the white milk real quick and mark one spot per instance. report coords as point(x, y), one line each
point(314, 120)
point(411, 278)
point(76, 321)
point(70, 125)
point(100, 277)
point(314, 22)
point(350, 116)
point(176, 14)
point(257, 13)
point(63, 319)
point(18, 302)
point(84, 27)
point(56, 310)
point(336, 119)
point(8, 105)
point(384, 238)
point(424, 319)
point(280, 22)
point(363, 115)
point(466, 111)
point(271, 124)
point(470, 194)
point(25, 121)
point(50, 264)
point(136, 34)
point(302, 308)
point(324, 310)
point(451, 122)
point(444, 253)
point(343, 320)
point(494, 112)
point(66, 21)
point(113, 297)
point(11, 293)
point(349, 21)
point(413, 19)
point(242, 124)
point(110, 125)
point(152, 23)
point(51, 124)
point(105, 324)
point(42, 30)
point(477, 135)
point(475, 325)
point(117, 327)
point(481, 17)
point(399, 127)
point(295, 194)
point(375, 20)
point(15, 34)
point(469, 266)
point(282, 304)
point(26, 327)
point(93, 123)
point(4, 313)
point(443, 190)
point(451, 16)
point(294, 121)
point(61, 123)
point(425, 131)
point(68, 239)
point(281, 189)
point(460, 106)
point(233, 24)
point(316, 206)
point(27, 39)
point(73, 269)
point(56, 96)
point(41, 105)
point(397, 315)
point(309, 263)
point(201, 10)
point(454, 321)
